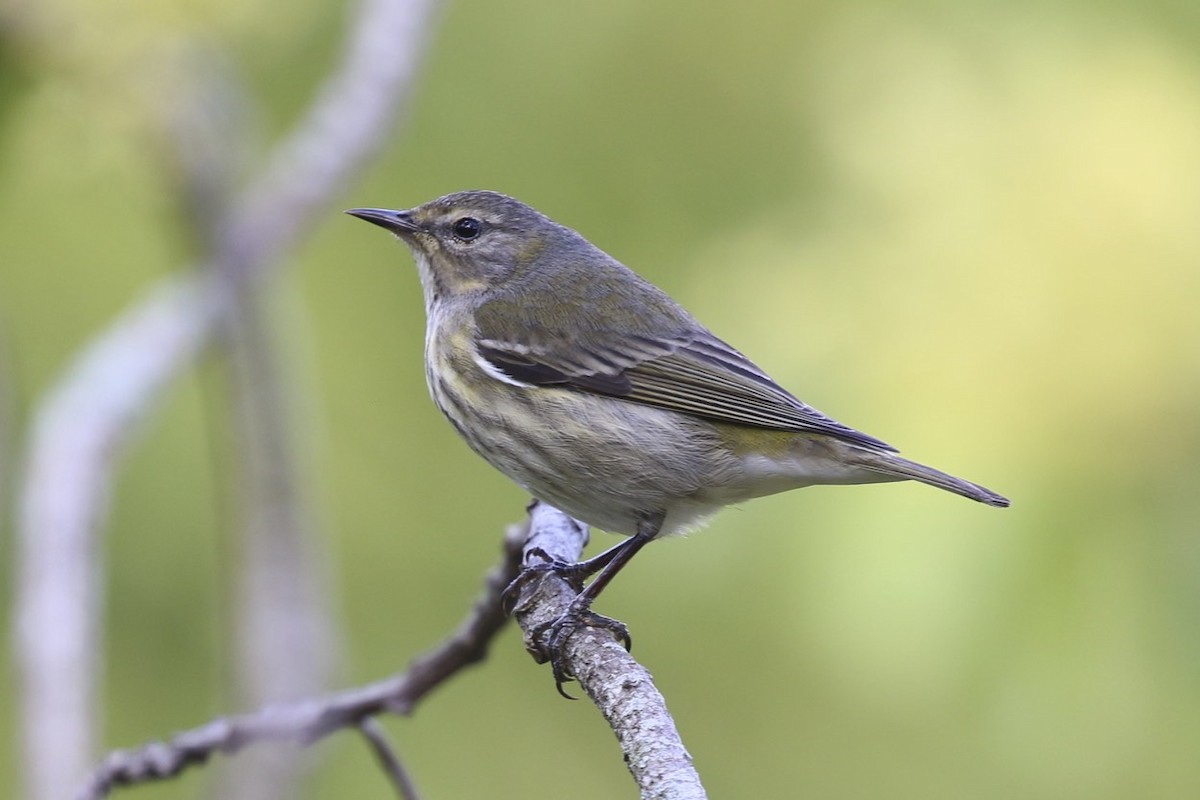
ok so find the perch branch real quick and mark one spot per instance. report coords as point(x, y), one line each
point(621, 688)
point(307, 721)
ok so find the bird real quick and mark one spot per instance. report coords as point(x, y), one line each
point(602, 396)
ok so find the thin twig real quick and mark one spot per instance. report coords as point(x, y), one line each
point(619, 686)
point(89, 415)
point(388, 760)
point(308, 721)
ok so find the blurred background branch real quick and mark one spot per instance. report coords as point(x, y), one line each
point(85, 420)
point(284, 642)
point(8, 431)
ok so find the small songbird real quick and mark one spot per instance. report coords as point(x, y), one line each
point(602, 396)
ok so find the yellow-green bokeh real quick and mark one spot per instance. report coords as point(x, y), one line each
point(972, 229)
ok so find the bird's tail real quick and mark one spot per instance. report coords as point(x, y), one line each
point(902, 469)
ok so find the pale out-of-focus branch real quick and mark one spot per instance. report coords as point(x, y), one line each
point(619, 686)
point(90, 413)
point(285, 642)
point(307, 721)
point(67, 478)
point(8, 418)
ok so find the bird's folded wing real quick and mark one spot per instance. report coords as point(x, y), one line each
point(696, 374)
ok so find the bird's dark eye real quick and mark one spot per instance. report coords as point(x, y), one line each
point(467, 228)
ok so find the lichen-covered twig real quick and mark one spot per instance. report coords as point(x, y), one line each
point(619, 686)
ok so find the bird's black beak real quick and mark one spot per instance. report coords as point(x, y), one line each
point(398, 222)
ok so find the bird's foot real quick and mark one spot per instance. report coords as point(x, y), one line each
point(551, 637)
point(574, 573)
point(548, 639)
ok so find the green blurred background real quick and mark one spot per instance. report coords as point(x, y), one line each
point(969, 228)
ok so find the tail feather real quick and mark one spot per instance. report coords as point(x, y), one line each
point(903, 469)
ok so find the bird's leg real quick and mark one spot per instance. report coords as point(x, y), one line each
point(553, 635)
point(574, 573)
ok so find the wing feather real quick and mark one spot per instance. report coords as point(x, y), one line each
point(700, 375)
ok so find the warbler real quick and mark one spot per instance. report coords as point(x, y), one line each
point(602, 396)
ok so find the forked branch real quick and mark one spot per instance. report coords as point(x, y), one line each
point(621, 688)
